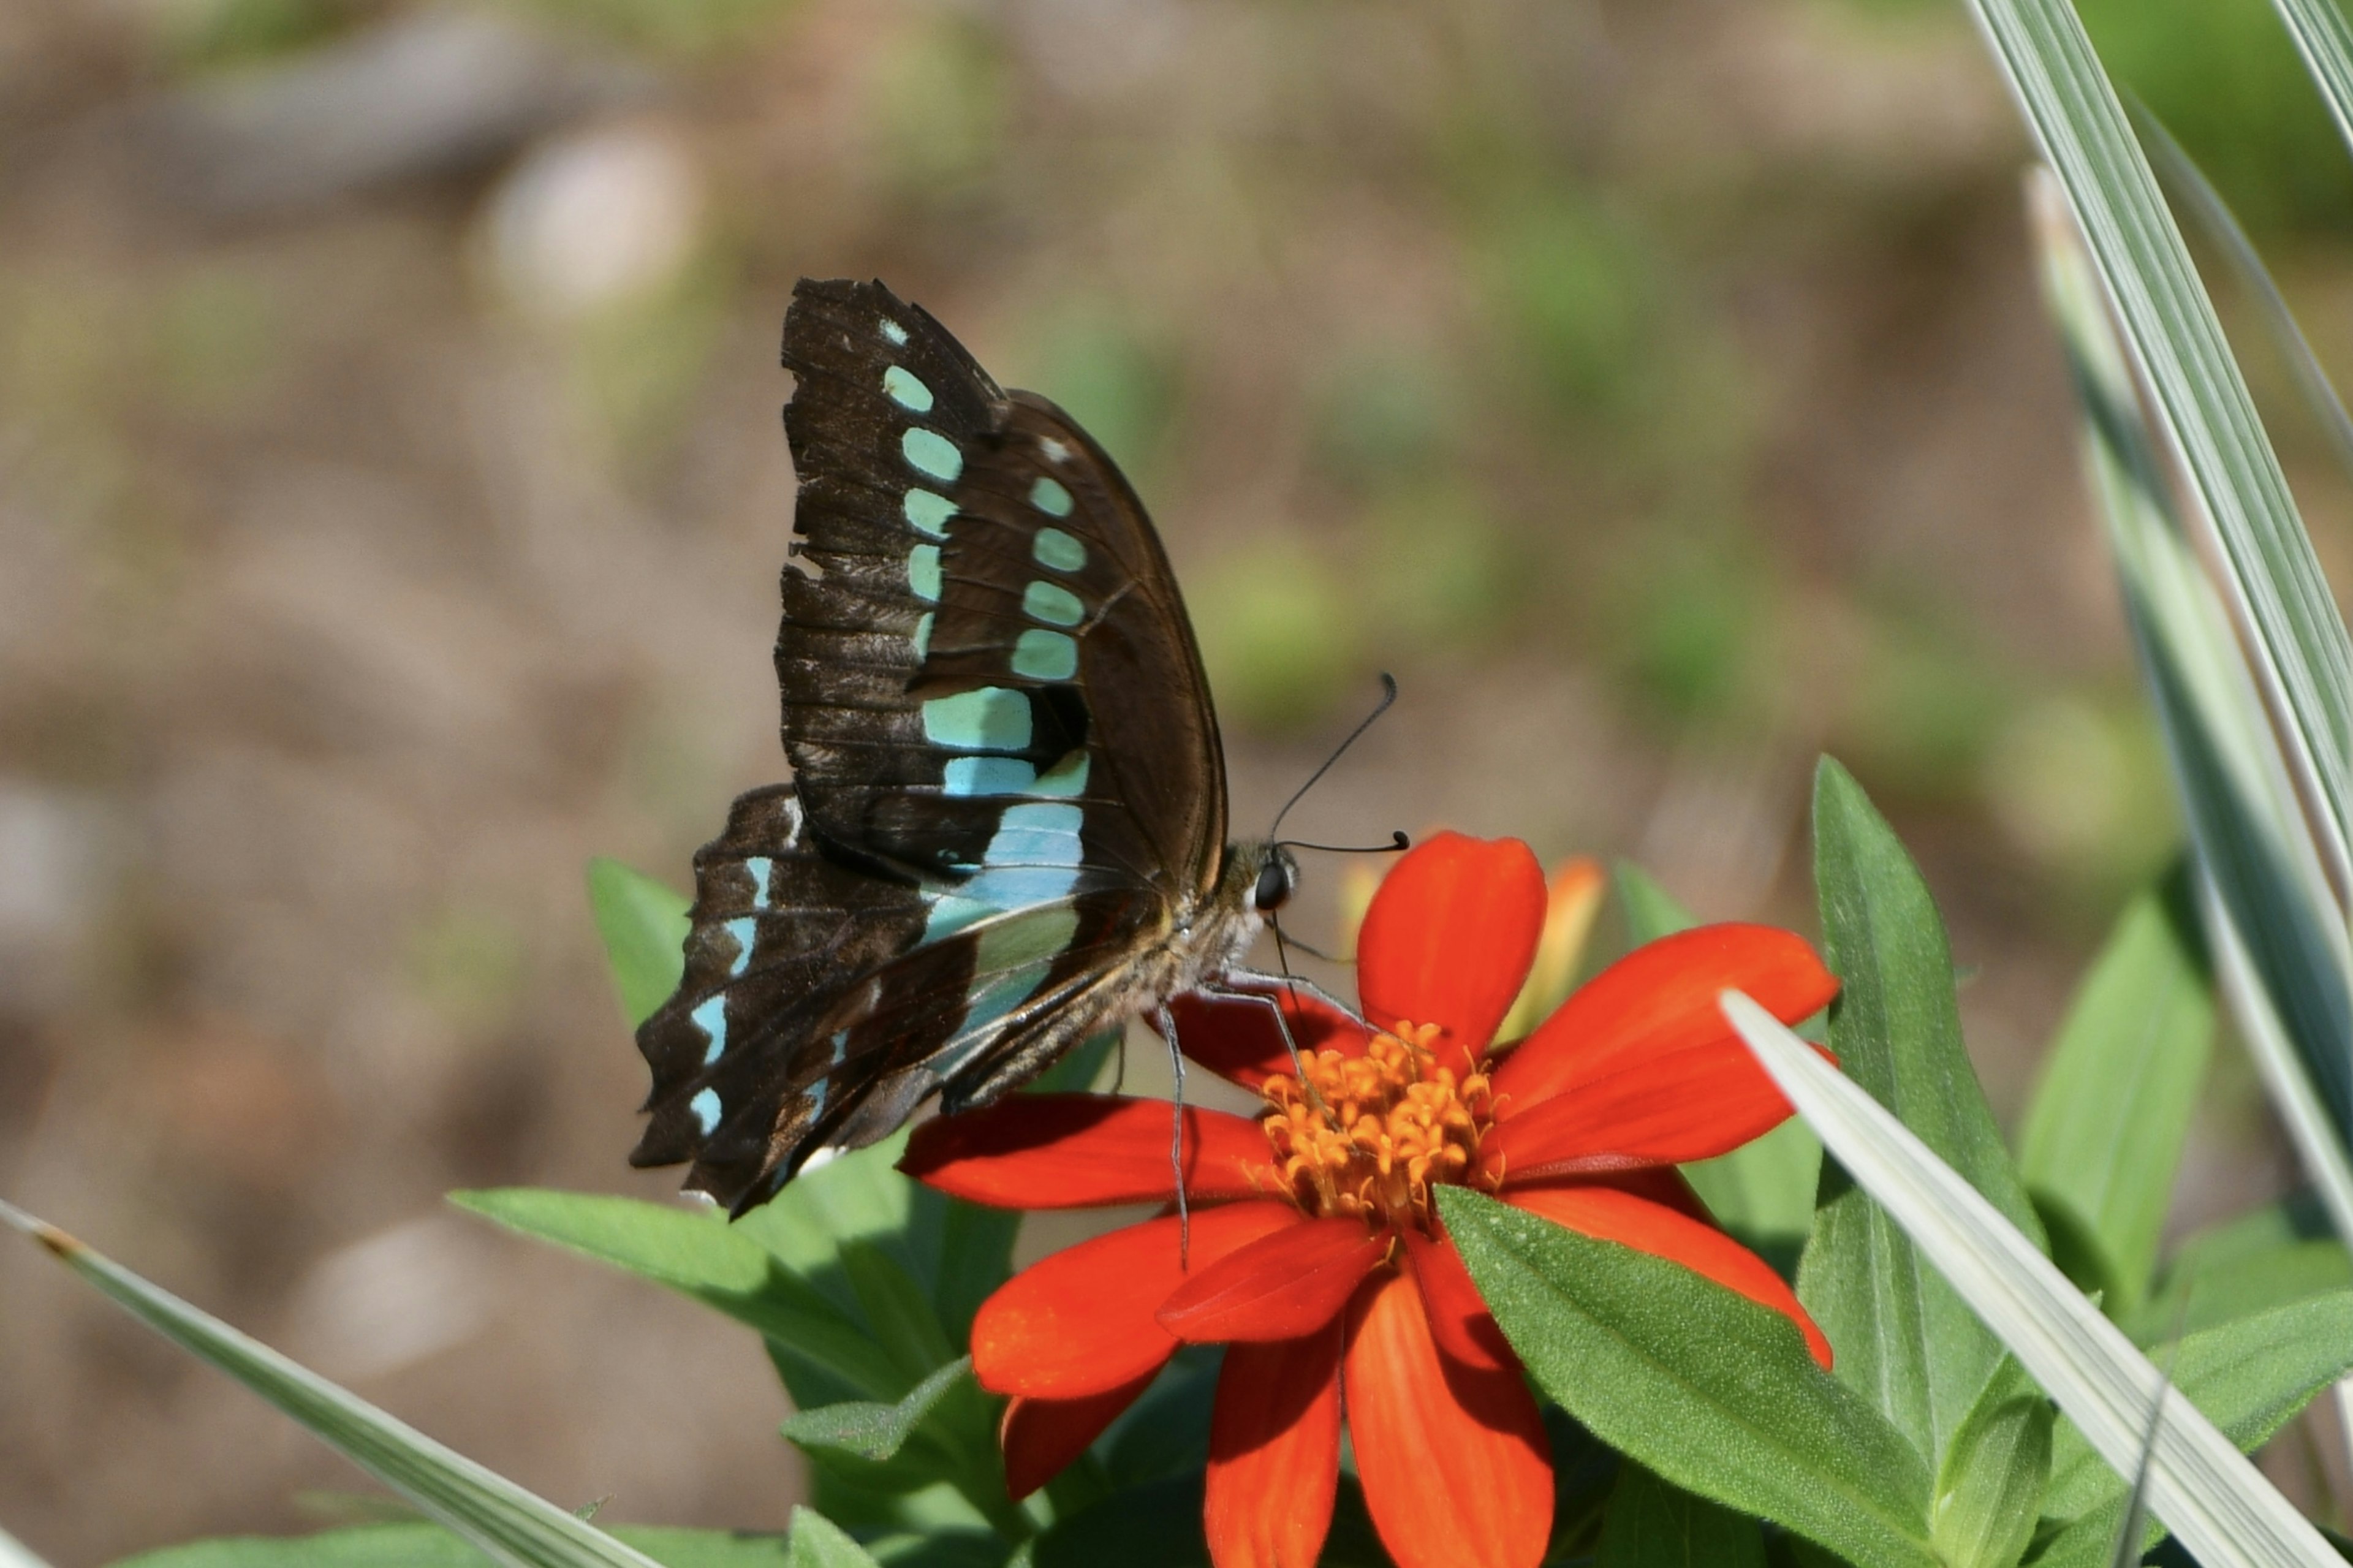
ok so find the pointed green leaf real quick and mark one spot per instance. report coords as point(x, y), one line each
point(698, 1254)
point(2103, 1133)
point(2221, 1505)
point(819, 1542)
point(1712, 1391)
point(502, 1518)
point(644, 926)
point(1652, 1524)
point(1989, 1493)
point(1903, 1336)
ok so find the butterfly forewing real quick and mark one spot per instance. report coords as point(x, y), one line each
point(1006, 778)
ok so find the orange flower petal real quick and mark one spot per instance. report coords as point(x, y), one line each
point(1449, 938)
point(1041, 1437)
point(1651, 1016)
point(1611, 1214)
point(1086, 1151)
point(1691, 1104)
point(1274, 1452)
point(1459, 1321)
point(1660, 1183)
point(1456, 1469)
point(1280, 1287)
point(1241, 1040)
point(1082, 1321)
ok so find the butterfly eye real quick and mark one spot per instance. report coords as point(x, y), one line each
point(1274, 885)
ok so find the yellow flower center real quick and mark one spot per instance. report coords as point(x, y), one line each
point(1371, 1135)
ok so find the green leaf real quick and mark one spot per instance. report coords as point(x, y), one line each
point(1989, 1493)
point(2221, 1505)
point(870, 1430)
point(699, 1255)
point(430, 1546)
point(819, 1542)
point(644, 926)
point(1762, 1191)
point(2326, 44)
point(511, 1525)
point(2103, 1133)
point(2280, 1253)
point(1903, 1336)
point(2249, 1376)
point(1712, 1391)
point(1652, 1524)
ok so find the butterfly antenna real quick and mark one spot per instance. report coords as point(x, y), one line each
point(1388, 695)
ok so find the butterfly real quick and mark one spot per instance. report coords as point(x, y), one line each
point(1006, 825)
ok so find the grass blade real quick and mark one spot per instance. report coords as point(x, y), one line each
point(2190, 188)
point(512, 1525)
point(2326, 44)
point(2276, 935)
point(2204, 1489)
point(2303, 659)
point(13, 1554)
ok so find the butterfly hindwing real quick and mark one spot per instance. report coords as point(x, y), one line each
point(1006, 774)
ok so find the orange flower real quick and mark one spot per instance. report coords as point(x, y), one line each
point(1317, 1256)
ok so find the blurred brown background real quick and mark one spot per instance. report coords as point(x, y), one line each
point(392, 494)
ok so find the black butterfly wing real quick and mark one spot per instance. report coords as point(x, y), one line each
point(1006, 775)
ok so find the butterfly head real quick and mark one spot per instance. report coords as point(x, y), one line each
point(1278, 877)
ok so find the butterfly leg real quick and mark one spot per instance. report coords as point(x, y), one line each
point(1297, 983)
point(1168, 1022)
point(1281, 1022)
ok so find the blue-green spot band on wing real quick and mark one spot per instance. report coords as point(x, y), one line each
point(931, 453)
point(1058, 551)
point(1042, 655)
point(895, 333)
point(741, 930)
point(705, 1106)
point(1048, 497)
point(711, 1017)
point(988, 775)
point(762, 869)
point(928, 511)
point(906, 391)
point(985, 718)
point(923, 572)
point(1011, 775)
point(922, 636)
point(1053, 603)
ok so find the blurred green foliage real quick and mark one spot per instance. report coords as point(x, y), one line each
point(1110, 371)
point(939, 106)
point(1279, 632)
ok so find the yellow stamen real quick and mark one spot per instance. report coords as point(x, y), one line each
point(1371, 1135)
